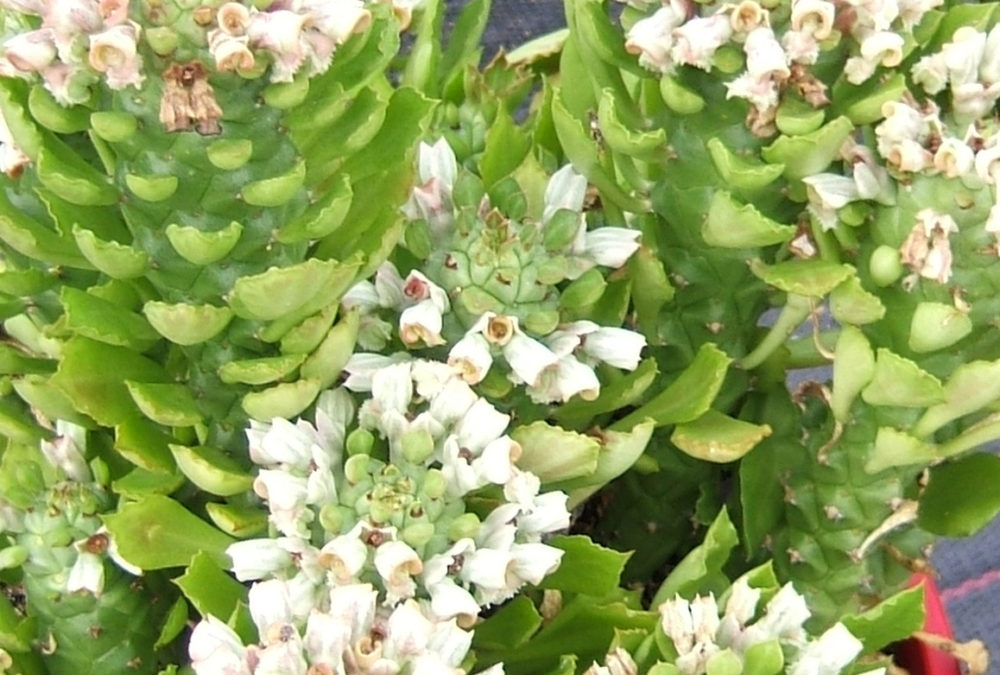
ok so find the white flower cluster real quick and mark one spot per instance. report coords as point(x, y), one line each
point(866, 180)
point(73, 505)
point(555, 368)
point(698, 631)
point(394, 535)
point(969, 66)
point(671, 37)
point(77, 41)
point(294, 34)
point(347, 633)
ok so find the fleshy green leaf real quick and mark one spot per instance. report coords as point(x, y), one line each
point(171, 405)
point(897, 448)
point(811, 153)
point(157, 533)
point(738, 171)
point(586, 567)
point(733, 225)
point(118, 261)
point(509, 627)
point(936, 325)
point(893, 619)
point(689, 396)
point(186, 324)
point(283, 290)
point(101, 320)
point(203, 248)
point(851, 303)
point(811, 278)
point(715, 437)
point(211, 470)
point(853, 369)
point(209, 588)
point(282, 400)
point(701, 570)
point(899, 381)
point(961, 497)
point(970, 388)
point(260, 371)
point(92, 375)
point(554, 454)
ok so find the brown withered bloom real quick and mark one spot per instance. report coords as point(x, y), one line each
point(188, 100)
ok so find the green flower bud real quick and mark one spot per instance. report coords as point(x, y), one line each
point(417, 445)
point(359, 442)
point(356, 467)
point(15, 556)
point(418, 534)
point(332, 518)
point(885, 266)
point(464, 526)
point(434, 484)
point(380, 511)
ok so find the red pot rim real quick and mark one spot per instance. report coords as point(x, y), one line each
point(917, 656)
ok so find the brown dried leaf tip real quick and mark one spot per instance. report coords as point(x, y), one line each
point(189, 100)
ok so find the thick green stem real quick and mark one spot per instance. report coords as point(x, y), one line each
point(985, 432)
point(804, 352)
point(795, 311)
point(825, 241)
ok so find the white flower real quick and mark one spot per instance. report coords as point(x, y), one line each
point(216, 649)
point(565, 379)
point(438, 162)
point(230, 52)
point(451, 601)
point(286, 497)
point(651, 38)
point(911, 12)
point(362, 366)
point(87, 573)
point(32, 51)
point(534, 561)
point(877, 48)
point(989, 68)
point(954, 158)
point(282, 655)
point(397, 564)
point(338, 19)
point(761, 93)
point(420, 325)
point(490, 570)
point(392, 387)
point(784, 615)
point(963, 55)
point(258, 558)
point(270, 607)
point(389, 286)
point(814, 17)
point(877, 14)
point(232, 18)
point(973, 100)
point(344, 556)
point(547, 514)
point(696, 42)
point(527, 357)
point(66, 451)
point(113, 52)
point(464, 471)
point(354, 605)
point(499, 530)
point(479, 426)
point(617, 347)
point(326, 639)
point(566, 189)
point(611, 246)
point(281, 443)
point(827, 193)
point(931, 73)
point(471, 357)
point(988, 161)
point(829, 655)
point(281, 32)
point(765, 57)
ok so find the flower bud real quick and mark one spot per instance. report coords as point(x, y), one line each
point(360, 442)
point(466, 526)
point(356, 468)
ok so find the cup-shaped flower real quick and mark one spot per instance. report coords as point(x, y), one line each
point(113, 52)
point(344, 556)
point(339, 19)
point(696, 41)
point(86, 574)
point(254, 559)
point(216, 648)
point(611, 246)
point(471, 357)
point(32, 51)
point(397, 564)
point(651, 38)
